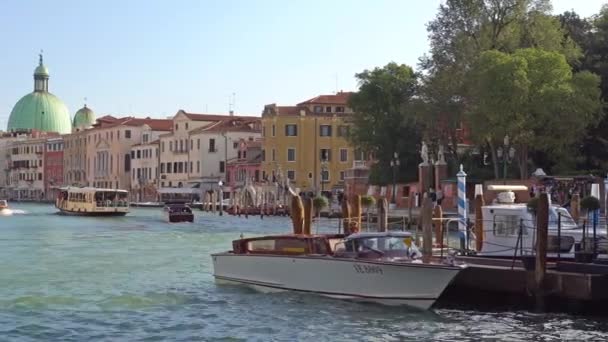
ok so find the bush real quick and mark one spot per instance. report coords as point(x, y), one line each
point(368, 201)
point(319, 203)
point(590, 203)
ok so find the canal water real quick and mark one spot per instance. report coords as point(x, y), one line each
point(136, 278)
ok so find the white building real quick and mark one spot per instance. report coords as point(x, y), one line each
point(26, 174)
point(145, 159)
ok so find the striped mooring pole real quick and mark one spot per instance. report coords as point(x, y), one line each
point(462, 203)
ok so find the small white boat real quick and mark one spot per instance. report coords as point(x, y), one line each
point(3, 204)
point(381, 267)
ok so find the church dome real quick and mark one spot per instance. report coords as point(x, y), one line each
point(40, 110)
point(84, 118)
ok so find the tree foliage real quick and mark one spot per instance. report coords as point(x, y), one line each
point(381, 123)
point(533, 97)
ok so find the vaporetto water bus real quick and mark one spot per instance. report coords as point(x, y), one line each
point(88, 201)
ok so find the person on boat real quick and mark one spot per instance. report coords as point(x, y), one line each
point(353, 228)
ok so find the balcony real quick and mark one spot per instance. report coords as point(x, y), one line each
point(359, 164)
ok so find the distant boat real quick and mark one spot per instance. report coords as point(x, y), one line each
point(3, 204)
point(178, 212)
point(88, 201)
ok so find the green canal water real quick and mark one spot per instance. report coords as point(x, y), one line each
point(136, 278)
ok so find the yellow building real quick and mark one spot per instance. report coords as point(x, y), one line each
point(307, 143)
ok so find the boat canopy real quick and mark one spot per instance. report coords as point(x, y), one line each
point(91, 190)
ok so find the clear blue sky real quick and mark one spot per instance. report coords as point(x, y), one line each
point(155, 57)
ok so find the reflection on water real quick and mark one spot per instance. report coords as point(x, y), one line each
point(139, 278)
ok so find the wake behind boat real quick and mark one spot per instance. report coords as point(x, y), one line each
point(381, 267)
point(88, 201)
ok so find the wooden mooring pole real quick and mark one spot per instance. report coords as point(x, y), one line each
point(382, 214)
point(426, 216)
point(297, 214)
point(575, 207)
point(542, 232)
point(346, 215)
point(307, 216)
point(356, 207)
point(438, 225)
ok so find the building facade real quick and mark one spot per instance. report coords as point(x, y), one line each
point(53, 167)
point(307, 144)
point(27, 168)
point(145, 160)
point(247, 166)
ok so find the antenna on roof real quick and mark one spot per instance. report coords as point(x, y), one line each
point(336, 84)
point(231, 104)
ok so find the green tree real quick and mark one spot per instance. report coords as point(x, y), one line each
point(533, 97)
point(382, 125)
point(461, 31)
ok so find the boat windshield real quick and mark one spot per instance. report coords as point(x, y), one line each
point(381, 246)
point(566, 219)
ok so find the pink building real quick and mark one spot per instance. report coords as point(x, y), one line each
point(246, 166)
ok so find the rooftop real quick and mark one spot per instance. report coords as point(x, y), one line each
point(340, 98)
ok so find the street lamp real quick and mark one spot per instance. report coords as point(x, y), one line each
point(395, 165)
point(506, 152)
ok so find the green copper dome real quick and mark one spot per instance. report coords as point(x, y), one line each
point(84, 118)
point(40, 110)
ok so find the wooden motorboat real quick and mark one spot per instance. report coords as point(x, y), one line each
point(383, 267)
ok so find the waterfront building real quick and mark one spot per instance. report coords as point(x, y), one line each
point(6, 142)
point(108, 148)
point(75, 168)
point(219, 143)
point(307, 144)
point(145, 159)
point(247, 166)
point(53, 167)
point(194, 155)
point(27, 168)
point(40, 110)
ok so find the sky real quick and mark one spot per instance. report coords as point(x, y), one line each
point(152, 58)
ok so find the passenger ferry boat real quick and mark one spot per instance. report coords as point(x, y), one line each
point(88, 201)
point(383, 267)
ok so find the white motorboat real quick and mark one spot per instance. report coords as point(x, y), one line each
point(383, 267)
point(509, 230)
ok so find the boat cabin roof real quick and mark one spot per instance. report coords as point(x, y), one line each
point(364, 235)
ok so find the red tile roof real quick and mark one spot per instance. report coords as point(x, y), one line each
point(155, 124)
point(231, 124)
point(340, 98)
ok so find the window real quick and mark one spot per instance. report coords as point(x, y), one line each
point(162, 167)
point(128, 162)
point(128, 134)
point(291, 130)
point(291, 154)
point(186, 126)
point(274, 155)
point(235, 145)
point(190, 167)
point(198, 144)
point(325, 131)
point(359, 155)
point(339, 109)
point(169, 168)
point(257, 175)
point(274, 130)
point(343, 155)
point(212, 145)
point(318, 109)
point(343, 130)
point(145, 138)
point(325, 154)
point(191, 144)
point(138, 154)
point(325, 175)
point(198, 166)
point(181, 145)
point(222, 167)
point(263, 131)
point(405, 192)
point(176, 127)
point(507, 225)
point(291, 175)
point(341, 175)
point(263, 155)
point(40, 176)
point(162, 146)
point(170, 145)
point(239, 155)
point(328, 109)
